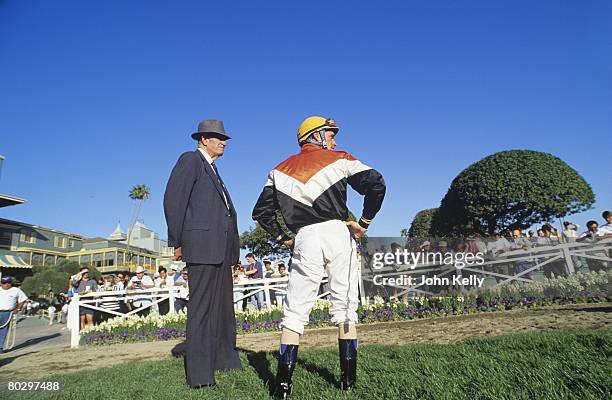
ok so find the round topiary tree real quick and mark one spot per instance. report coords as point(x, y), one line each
point(421, 224)
point(511, 188)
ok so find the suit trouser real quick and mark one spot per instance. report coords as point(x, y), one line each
point(211, 324)
point(326, 245)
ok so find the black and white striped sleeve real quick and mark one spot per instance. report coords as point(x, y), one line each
point(369, 183)
point(265, 211)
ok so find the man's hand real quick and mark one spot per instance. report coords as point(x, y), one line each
point(356, 230)
point(178, 254)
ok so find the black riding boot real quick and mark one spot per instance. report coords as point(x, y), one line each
point(286, 364)
point(348, 363)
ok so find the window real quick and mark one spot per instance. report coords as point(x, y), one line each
point(5, 238)
point(37, 259)
point(60, 242)
point(28, 237)
point(71, 243)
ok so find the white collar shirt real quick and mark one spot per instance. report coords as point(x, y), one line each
point(210, 161)
point(605, 229)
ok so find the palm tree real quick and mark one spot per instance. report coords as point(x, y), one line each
point(139, 194)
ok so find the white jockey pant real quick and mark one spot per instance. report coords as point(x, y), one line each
point(320, 247)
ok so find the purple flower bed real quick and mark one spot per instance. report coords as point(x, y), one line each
point(125, 337)
point(259, 326)
point(399, 312)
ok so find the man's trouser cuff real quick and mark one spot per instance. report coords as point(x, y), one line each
point(293, 326)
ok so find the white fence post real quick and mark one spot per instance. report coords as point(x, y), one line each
point(171, 301)
point(267, 293)
point(73, 321)
point(362, 296)
point(568, 260)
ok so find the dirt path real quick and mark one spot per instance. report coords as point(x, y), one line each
point(35, 364)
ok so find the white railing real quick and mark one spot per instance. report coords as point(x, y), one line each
point(534, 260)
point(250, 287)
point(243, 289)
point(92, 300)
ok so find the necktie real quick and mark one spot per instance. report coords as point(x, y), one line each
point(225, 194)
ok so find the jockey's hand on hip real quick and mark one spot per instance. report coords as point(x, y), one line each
point(289, 243)
point(356, 230)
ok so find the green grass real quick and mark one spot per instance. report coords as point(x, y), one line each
point(538, 365)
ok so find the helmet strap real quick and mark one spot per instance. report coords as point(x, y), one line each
point(322, 142)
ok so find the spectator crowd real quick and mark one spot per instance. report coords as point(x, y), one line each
point(246, 276)
point(500, 248)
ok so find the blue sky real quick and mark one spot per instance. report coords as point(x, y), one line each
point(96, 97)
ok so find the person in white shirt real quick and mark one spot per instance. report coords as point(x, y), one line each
point(498, 245)
point(238, 278)
point(174, 272)
point(591, 233)
point(547, 237)
point(11, 301)
point(118, 284)
point(183, 296)
point(519, 241)
point(570, 234)
point(268, 270)
point(606, 229)
point(140, 281)
point(163, 282)
point(108, 302)
point(281, 273)
point(64, 315)
point(570, 231)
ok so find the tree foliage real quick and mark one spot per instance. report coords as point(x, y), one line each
point(53, 278)
point(138, 193)
point(421, 224)
point(260, 243)
point(511, 188)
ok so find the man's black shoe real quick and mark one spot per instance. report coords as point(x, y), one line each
point(211, 386)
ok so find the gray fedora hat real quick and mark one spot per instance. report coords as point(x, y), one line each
point(210, 126)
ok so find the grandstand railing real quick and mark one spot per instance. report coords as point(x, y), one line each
point(246, 288)
point(536, 264)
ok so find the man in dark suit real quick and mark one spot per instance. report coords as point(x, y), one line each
point(202, 228)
